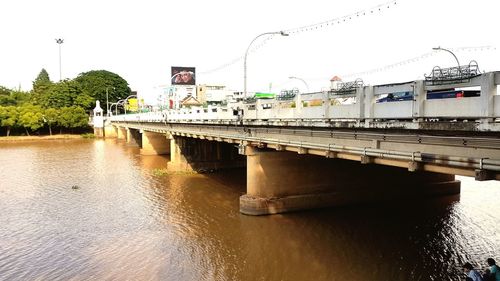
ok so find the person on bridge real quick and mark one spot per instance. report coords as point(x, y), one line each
point(471, 273)
point(493, 272)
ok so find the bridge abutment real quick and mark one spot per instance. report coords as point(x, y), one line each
point(279, 182)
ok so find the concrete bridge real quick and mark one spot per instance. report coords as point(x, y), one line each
point(313, 156)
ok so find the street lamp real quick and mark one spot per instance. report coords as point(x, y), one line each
point(116, 104)
point(303, 81)
point(282, 33)
point(107, 100)
point(125, 102)
point(446, 50)
point(59, 41)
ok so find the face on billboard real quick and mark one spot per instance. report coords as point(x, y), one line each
point(183, 75)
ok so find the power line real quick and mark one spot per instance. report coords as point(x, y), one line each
point(414, 60)
point(313, 27)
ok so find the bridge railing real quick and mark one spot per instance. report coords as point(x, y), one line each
point(408, 101)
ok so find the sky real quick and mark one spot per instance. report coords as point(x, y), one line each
point(141, 40)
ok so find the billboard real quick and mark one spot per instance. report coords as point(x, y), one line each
point(183, 75)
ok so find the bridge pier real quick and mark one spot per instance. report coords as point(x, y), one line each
point(189, 154)
point(280, 182)
point(110, 131)
point(134, 137)
point(121, 133)
point(155, 143)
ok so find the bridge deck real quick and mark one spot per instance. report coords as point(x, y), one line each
point(464, 154)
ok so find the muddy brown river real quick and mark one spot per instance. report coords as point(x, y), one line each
point(97, 210)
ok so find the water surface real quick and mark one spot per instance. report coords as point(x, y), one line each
point(96, 210)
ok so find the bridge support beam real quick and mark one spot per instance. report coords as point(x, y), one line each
point(155, 144)
point(189, 154)
point(280, 182)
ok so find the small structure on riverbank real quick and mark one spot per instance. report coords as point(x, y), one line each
point(98, 120)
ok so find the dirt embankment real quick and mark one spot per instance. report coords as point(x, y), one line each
point(38, 138)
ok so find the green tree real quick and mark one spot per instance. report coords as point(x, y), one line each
point(6, 97)
point(51, 116)
point(73, 117)
point(95, 83)
point(61, 94)
point(30, 117)
point(42, 81)
point(41, 86)
point(8, 117)
point(84, 101)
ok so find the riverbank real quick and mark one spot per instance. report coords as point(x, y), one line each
point(39, 138)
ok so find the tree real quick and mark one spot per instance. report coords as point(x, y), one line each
point(8, 117)
point(95, 83)
point(30, 117)
point(42, 81)
point(51, 116)
point(5, 97)
point(73, 117)
point(61, 94)
point(13, 97)
point(41, 86)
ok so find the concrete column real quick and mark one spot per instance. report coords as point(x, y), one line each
point(189, 154)
point(326, 105)
point(134, 137)
point(155, 144)
point(488, 91)
point(360, 100)
point(99, 132)
point(128, 135)
point(122, 133)
point(419, 97)
point(110, 131)
point(368, 101)
point(177, 159)
point(280, 182)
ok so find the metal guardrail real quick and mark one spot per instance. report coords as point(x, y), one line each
point(452, 75)
point(348, 87)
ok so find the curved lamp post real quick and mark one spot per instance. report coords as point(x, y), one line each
point(303, 81)
point(107, 100)
point(126, 101)
point(116, 104)
point(446, 50)
point(282, 33)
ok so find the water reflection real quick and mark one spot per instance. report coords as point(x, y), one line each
point(126, 222)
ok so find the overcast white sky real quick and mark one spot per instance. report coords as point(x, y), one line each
point(141, 40)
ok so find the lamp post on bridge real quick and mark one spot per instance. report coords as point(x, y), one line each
point(125, 102)
point(107, 100)
point(282, 33)
point(303, 81)
point(446, 50)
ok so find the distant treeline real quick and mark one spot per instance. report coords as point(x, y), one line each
point(64, 106)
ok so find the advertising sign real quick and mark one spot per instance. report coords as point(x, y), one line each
point(183, 75)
